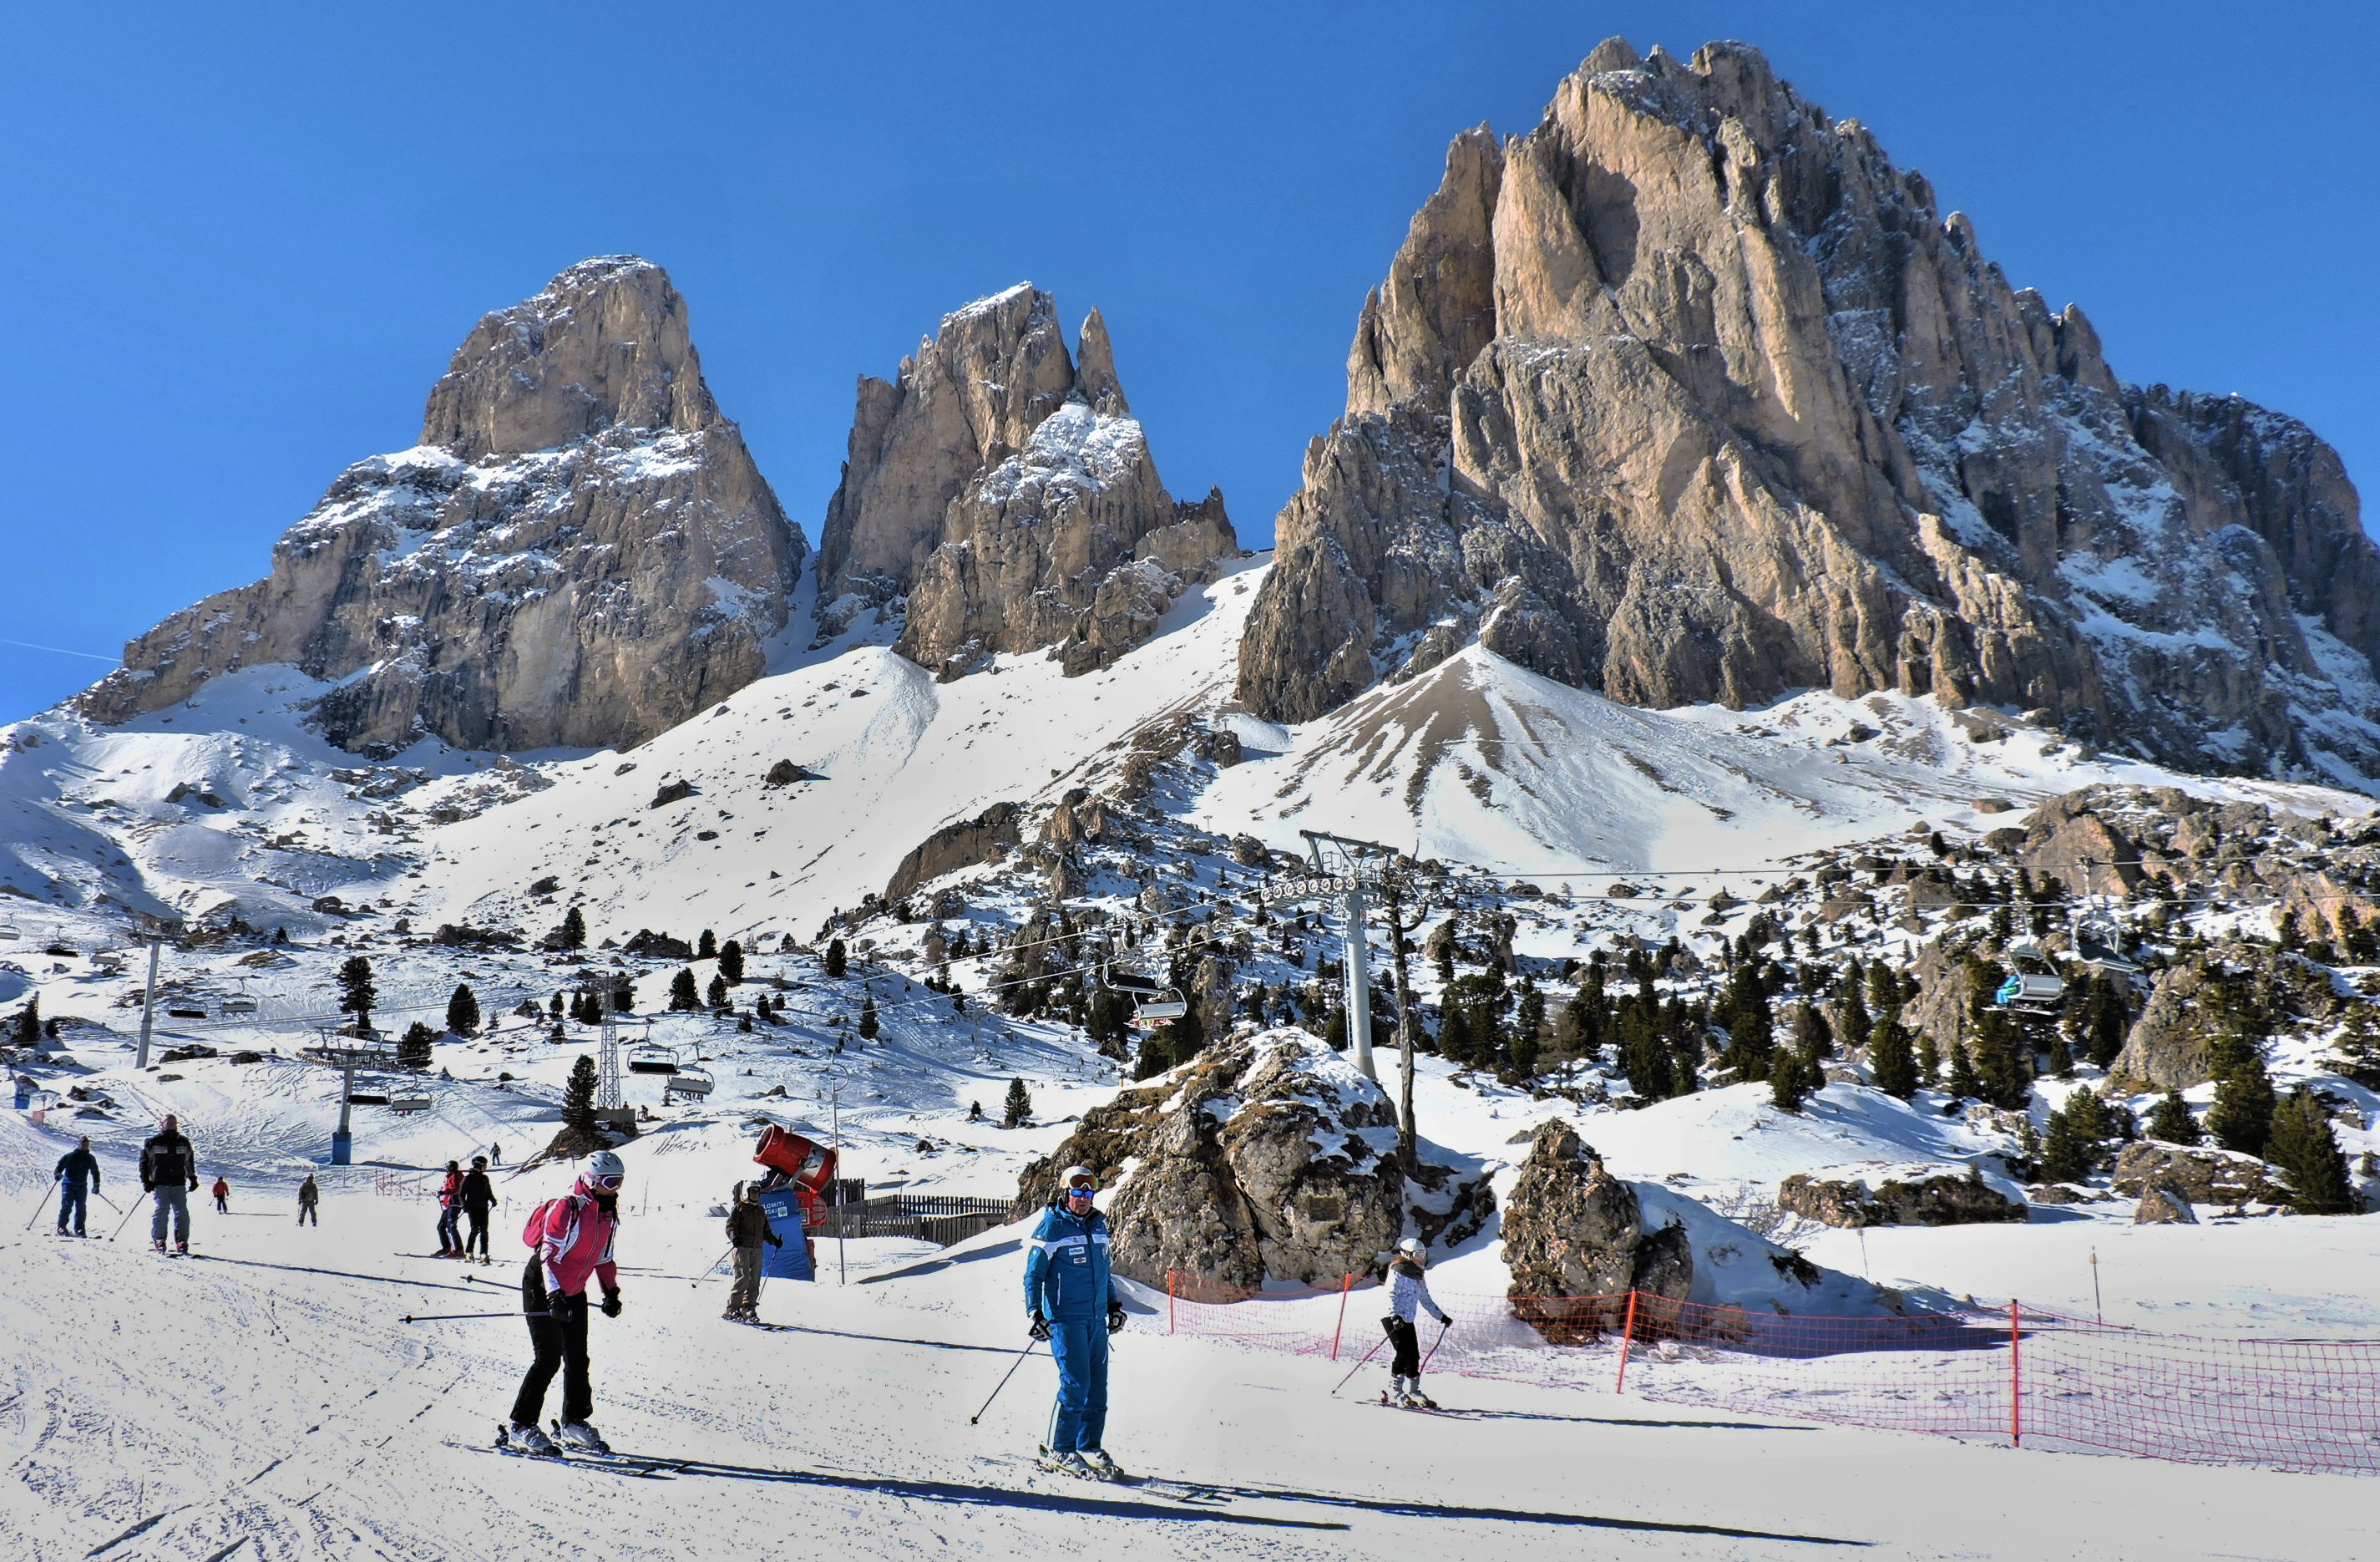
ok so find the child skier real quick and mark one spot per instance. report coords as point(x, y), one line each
point(1408, 1294)
point(223, 1196)
point(572, 1238)
point(1075, 1308)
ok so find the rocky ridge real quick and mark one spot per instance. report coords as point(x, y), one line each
point(1001, 495)
point(1689, 395)
point(579, 553)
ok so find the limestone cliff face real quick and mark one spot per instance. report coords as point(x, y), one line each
point(579, 553)
point(1689, 395)
point(1001, 495)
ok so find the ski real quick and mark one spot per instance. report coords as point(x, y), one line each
point(649, 1469)
point(1155, 1485)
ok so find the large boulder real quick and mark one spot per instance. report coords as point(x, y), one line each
point(1268, 1157)
point(1898, 1196)
point(2201, 1176)
point(964, 844)
point(1570, 1227)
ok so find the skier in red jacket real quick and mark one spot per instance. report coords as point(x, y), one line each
point(572, 1238)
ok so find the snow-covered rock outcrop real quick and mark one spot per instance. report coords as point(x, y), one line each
point(579, 553)
point(1007, 493)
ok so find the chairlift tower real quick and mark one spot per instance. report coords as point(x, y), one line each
point(342, 1054)
point(607, 1063)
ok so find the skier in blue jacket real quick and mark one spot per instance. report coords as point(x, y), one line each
point(1075, 1308)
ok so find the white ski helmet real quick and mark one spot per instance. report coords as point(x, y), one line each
point(604, 1164)
point(1413, 1247)
point(1072, 1176)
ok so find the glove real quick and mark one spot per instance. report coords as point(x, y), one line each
point(194, 1185)
point(610, 1304)
point(775, 1240)
point(1389, 1324)
point(1444, 1322)
point(1115, 1317)
point(1040, 1329)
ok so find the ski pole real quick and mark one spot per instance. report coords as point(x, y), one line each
point(1359, 1366)
point(1003, 1379)
point(126, 1221)
point(449, 1317)
point(42, 1205)
point(712, 1268)
point(104, 1200)
point(1442, 1327)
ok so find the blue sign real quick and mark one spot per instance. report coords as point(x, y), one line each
point(790, 1261)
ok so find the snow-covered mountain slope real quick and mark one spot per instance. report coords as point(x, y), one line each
point(1479, 761)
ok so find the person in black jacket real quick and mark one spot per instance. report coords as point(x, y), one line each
point(77, 1167)
point(478, 1198)
point(747, 1227)
point(169, 1168)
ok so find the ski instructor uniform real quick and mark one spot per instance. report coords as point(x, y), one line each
point(572, 1237)
point(1075, 1308)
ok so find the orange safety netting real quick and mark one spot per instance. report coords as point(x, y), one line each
point(2023, 1373)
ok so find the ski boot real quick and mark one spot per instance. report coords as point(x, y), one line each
point(1068, 1463)
point(157, 1246)
point(577, 1435)
point(527, 1439)
point(181, 1250)
point(1419, 1400)
point(1105, 1467)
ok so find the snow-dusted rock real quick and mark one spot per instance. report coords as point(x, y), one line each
point(1009, 496)
point(2201, 1175)
point(1900, 1196)
point(1268, 1157)
point(578, 552)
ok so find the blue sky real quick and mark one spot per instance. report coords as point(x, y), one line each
point(243, 238)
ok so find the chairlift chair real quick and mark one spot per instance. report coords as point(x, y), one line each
point(2031, 992)
point(653, 1057)
point(10, 932)
point(693, 1083)
point(240, 1005)
point(187, 1008)
point(1153, 1003)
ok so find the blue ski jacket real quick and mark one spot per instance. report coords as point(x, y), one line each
point(1066, 1269)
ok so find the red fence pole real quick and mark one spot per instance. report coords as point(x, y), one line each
point(1627, 1335)
point(2016, 1378)
point(1342, 1323)
point(1169, 1300)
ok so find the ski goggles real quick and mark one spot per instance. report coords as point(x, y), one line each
point(608, 1184)
point(1082, 1187)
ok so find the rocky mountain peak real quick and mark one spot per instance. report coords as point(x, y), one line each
point(1687, 394)
point(580, 553)
point(999, 495)
point(604, 345)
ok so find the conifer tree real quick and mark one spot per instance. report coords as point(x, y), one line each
point(1018, 1107)
point(731, 962)
point(414, 1049)
point(578, 1098)
point(717, 993)
point(683, 998)
point(1454, 1036)
point(1579, 1033)
point(1963, 1083)
point(1812, 1037)
point(463, 1010)
point(2358, 1047)
point(358, 996)
point(2242, 1116)
point(1929, 1060)
point(706, 947)
point(574, 929)
point(867, 1021)
point(555, 1007)
point(1889, 1061)
point(29, 1022)
point(1854, 1014)
point(1789, 1081)
point(2171, 1120)
point(2070, 1147)
point(2304, 1146)
point(838, 959)
point(1153, 1056)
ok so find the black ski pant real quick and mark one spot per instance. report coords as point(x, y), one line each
point(307, 1212)
point(1404, 1348)
point(557, 1332)
point(478, 1233)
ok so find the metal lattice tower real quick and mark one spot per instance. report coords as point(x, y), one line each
point(607, 1063)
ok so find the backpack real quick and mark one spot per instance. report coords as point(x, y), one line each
point(535, 1229)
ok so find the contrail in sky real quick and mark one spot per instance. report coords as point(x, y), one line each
point(62, 651)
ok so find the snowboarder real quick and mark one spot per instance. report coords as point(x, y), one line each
point(450, 1212)
point(1408, 1294)
point(1074, 1307)
point(308, 1196)
point(572, 1238)
point(478, 1198)
point(223, 1196)
point(169, 1169)
point(75, 1168)
point(747, 1227)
